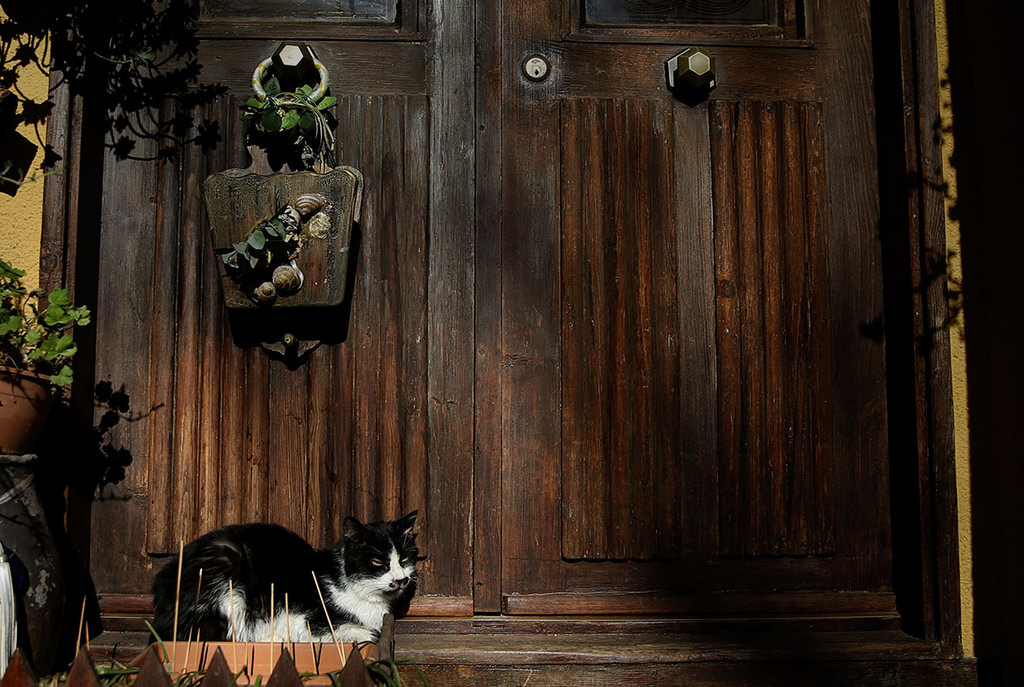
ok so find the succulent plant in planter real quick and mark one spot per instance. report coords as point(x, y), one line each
point(36, 348)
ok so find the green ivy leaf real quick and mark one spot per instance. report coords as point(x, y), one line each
point(257, 240)
point(270, 121)
point(326, 102)
point(60, 297)
point(63, 377)
point(11, 324)
point(257, 103)
point(242, 248)
point(55, 314)
point(307, 121)
point(290, 119)
point(272, 86)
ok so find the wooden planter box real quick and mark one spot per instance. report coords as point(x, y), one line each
point(251, 659)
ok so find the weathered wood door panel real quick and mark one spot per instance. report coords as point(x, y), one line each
point(630, 337)
point(687, 386)
point(373, 416)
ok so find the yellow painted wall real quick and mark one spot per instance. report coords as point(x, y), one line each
point(957, 342)
point(22, 214)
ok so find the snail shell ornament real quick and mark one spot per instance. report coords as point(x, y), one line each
point(290, 217)
point(309, 204)
point(319, 225)
point(265, 293)
point(287, 279)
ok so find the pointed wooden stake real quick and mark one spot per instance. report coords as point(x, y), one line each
point(19, 672)
point(218, 673)
point(151, 670)
point(354, 674)
point(82, 673)
point(285, 673)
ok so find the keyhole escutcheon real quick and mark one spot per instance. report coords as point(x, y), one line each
point(536, 68)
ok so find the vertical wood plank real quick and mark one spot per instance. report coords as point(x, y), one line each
point(727, 309)
point(187, 389)
point(850, 209)
point(776, 466)
point(621, 334)
point(531, 426)
point(367, 318)
point(160, 478)
point(234, 458)
point(689, 140)
point(487, 392)
point(450, 297)
point(585, 484)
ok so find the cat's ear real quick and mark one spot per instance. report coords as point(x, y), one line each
point(405, 525)
point(353, 531)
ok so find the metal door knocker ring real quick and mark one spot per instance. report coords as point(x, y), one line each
point(289, 110)
point(260, 75)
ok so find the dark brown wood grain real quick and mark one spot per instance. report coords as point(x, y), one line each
point(620, 333)
point(776, 469)
point(623, 355)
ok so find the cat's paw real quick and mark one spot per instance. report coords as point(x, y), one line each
point(355, 634)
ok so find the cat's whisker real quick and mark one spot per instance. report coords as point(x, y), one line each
point(341, 654)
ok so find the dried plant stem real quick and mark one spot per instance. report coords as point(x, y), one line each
point(312, 651)
point(341, 654)
point(188, 650)
point(177, 591)
point(81, 621)
point(288, 623)
point(273, 631)
point(234, 637)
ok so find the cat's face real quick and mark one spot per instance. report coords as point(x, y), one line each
point(381, 556)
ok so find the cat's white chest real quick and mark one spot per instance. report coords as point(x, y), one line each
point(363, 600)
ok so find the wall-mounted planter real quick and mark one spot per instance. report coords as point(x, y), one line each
point(283, 239)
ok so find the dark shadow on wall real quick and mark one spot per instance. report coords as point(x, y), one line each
point(986, 84)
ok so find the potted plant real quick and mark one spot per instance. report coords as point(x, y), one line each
point(36, 348)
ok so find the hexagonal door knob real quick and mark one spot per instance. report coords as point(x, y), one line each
point(295, 65)
point(692, 75)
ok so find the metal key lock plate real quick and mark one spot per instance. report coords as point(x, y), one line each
point(536, 68)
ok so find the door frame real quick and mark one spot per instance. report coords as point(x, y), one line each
point(925, 522)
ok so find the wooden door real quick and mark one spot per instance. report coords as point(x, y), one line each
point(377, 420)
point(692, 397)
point(635, 340)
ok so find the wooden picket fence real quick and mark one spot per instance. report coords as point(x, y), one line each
point(149, 670)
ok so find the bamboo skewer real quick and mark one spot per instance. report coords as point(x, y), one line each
point(234, 637)
point(81, 620)
point(273, 630)
point(341, 654)
point(177, 590)
point(312, 651)
point(195, 607)
point(288, 624)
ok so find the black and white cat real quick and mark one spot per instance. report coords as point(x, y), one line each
point(370, 571)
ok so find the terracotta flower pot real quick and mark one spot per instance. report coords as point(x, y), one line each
point(25, 401)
